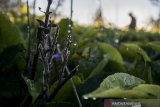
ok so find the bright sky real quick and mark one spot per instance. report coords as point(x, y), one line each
point(114, 11)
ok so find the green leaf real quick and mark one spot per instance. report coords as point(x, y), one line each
point(133, 51)
point(12, 56)
point(99, 56)
point(12, 64)
point(90, 33)
point(111, 52)
point(117, 81)
point(140, 91)
point(34, 88)
point(154, 45)
point(9, 34)
point(66, 91)
point(99, 67)
point(115, 59)
point(89, 58)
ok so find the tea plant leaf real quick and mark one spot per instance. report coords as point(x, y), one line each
point(114, 57)
point(154, 45)
point(89, 58)
point(140, 91)
point(99, 67)
point(133, 51)
point(34, 88)
point(9, 34)
point(111, 52)
point(90, 33)
point(12, 56)
point(117, 81)
point(66, 91)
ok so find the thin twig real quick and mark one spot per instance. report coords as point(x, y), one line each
point(47, 13)
point(71, 80)
point(53, 95)
point(34, 11)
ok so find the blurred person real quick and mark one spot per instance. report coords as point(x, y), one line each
point(132, 25)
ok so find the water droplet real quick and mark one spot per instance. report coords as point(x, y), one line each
point(94, 98)
point(75, 44)
point(125, 98)
point(68, 52)
point(69, 31)
point(85, 97)
point(139, 49)
point(116, 41)
point(58, 45)
point(77, 69)
point(70, 36)
point(69, 25)
point(127, 49)
point(27, 80)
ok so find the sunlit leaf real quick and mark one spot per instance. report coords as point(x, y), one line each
point(112, 52)
point(117, 81)
point(114, 57)
point(140, 91)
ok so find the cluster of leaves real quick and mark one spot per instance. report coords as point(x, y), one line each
point(114, 63)
point(133, 56)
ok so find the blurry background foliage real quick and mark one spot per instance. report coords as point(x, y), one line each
point(111, 60)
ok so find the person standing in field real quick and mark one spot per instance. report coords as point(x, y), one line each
point(132, 25)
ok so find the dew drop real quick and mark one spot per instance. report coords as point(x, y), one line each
point(75, 44)
point(27, 27)
point(139, 49)
point(77, 69)
point(127, 49)
point(85, 97)
point(94, 98)
point(68, 52)
point(69, 31)
point(116, 41)
point(70, 36)
point(69, 25)
point(58, 45)
point(125, 98)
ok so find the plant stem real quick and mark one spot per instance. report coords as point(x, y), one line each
point(74, 88)
point(34, 11)
point(29, 42)
point(53, 95)
point(47, 13)
point(71, 80)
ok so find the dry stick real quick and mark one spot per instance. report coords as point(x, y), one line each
point(71, 80)
point(47, 14)
point(35, 60)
